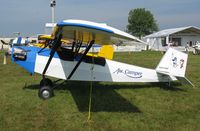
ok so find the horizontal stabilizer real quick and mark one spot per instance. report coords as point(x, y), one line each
point(184, 80)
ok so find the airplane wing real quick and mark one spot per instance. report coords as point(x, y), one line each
point(49, 37)
point(79, 31)
point(101, 33)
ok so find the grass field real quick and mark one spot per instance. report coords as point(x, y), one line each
point(115, 106)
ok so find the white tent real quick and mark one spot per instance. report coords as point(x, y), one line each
point(177, 37)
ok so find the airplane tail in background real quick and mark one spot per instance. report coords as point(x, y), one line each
point(174, 63)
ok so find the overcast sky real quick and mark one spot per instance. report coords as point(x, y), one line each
point(29, 16)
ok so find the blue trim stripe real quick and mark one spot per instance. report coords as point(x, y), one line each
point(85, 26)
point(32, 51)
point(29, 63)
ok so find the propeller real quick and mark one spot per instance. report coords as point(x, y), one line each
point(4, 42)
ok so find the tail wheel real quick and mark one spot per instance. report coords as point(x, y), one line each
point(45, 92)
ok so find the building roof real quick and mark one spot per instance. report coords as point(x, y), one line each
point(167, 32)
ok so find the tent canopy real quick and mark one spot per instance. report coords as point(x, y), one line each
point(167, 32)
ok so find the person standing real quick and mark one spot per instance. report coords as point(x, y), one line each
point(187, 47)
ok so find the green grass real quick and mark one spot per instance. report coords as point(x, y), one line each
point(115, 106)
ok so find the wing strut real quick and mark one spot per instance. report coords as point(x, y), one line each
point(56, 43)
point(44, 47)
point(81, 59)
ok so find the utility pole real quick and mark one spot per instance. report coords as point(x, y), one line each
point(53, 5)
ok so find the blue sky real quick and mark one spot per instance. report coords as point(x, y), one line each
point(29, 17)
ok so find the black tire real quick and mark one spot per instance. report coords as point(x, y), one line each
point(46, 82)
point(45, 92)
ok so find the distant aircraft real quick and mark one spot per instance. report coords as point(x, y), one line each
point(18, 41)
point(69, 63)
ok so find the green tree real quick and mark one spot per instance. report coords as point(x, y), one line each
point(141, 22)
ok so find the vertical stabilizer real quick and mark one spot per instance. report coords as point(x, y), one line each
point(173, 63)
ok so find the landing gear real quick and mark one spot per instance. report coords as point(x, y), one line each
point(46, 82)
point(46, 90)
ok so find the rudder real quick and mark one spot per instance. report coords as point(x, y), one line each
point(173, 63)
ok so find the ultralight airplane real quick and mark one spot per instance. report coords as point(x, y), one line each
point(69, 63)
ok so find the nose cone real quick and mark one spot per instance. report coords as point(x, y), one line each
point(25, 57)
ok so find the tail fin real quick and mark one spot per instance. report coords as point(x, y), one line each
point(173, 63)
point(107, 52)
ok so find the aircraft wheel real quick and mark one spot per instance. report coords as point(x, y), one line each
point(45, 92)
point(46, 82)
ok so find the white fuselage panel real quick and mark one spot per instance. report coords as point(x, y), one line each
point(112, 71)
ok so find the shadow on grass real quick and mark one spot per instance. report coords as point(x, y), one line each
point(165, 86)
point(104, 96)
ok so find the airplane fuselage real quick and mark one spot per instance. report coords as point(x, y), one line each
point(112, 71)
point(91, 69)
